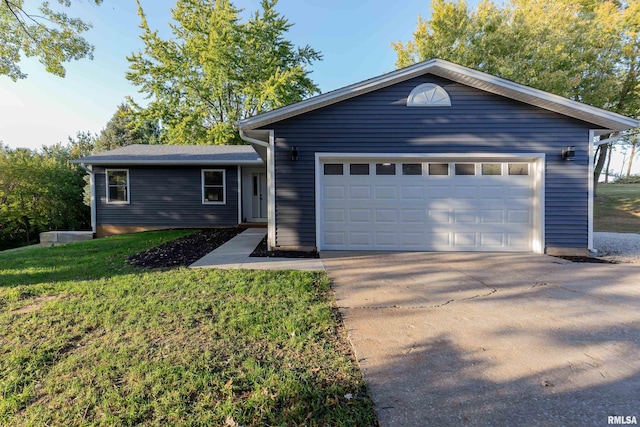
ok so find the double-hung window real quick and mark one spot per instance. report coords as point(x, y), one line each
point(117, 185)
point(213, 186)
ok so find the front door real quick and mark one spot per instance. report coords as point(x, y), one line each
point(258, 196)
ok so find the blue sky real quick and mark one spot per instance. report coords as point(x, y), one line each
point(354, 37)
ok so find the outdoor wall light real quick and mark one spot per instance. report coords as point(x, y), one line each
point(569, 153)
point(294, 153)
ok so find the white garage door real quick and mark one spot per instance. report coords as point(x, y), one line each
point(430, 205)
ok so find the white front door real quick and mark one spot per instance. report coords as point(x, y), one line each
point(259, 196)
point(433, 205)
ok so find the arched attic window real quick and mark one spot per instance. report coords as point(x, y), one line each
point(428, 95)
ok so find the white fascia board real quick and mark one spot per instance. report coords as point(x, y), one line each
point(174, 162)
point(460, 74)
point(591, 191)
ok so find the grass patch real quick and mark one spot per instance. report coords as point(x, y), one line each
point(86, 339)
point(617, 208)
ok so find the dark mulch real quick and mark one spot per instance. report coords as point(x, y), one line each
point(185, 250)
point(587, 259)
point(261, 251)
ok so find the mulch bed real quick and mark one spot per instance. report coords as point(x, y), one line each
point(184, 251)
point(587, 259)
point(261, 251)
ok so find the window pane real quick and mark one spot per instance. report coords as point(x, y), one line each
point(438, 169)
point(465, 169)
point(333, 169)
point(491, 169)
point(213, 178)
point(385, 168)
point(518, 169)
point(359, 168)
point(117, 177)
point(214, 194)
point(117, 193)
point(412, 169)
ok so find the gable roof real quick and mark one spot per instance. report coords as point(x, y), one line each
point(141, 154)
point(457, 73)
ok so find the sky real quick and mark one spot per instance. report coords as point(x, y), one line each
point(354, 37)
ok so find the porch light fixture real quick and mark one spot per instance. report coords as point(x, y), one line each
point(294, 153)
point(569, 153)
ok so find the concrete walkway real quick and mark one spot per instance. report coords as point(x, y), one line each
point(235, 254)
point(471, 339)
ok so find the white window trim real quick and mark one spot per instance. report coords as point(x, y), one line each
point(117, 202)
point(224, 187)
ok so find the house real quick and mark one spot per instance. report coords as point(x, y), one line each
point(151, 187)
point(432, 157)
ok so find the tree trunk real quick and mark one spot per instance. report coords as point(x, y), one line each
point(601, 156)
point(631, 156)
point(606, 172)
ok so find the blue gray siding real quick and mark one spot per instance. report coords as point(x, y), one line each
point(167, 197)
point(477, 121)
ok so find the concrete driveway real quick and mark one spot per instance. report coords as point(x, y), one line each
point(448, 339)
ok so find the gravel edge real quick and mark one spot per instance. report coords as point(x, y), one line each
point(620, 247)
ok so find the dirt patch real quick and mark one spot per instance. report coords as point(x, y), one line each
point(185, 250)
point(37, 304)
point(261, 251)
point(587, 259)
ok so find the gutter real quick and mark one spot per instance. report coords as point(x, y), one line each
point(616, 136)
point(271, 193)
point(92, 184)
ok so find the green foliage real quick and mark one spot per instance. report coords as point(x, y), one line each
point(215, 70)
point(123, 130)
point(48, 34)
point(39, 191)
point(90, 340)
point(587, 51)
point(631, 179)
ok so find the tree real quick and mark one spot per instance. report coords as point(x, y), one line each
point(48, 34)
point(122, 130)
point(583, 50)
point(39, 191)
point(216, 70)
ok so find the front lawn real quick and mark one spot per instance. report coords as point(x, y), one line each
point(617, 208)
point(86, 339)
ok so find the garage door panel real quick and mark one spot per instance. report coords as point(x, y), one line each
point(389, 216)
point(386, 192)
point(492, 239)
point(426, 212)
point(465, 217)
point(386, 239)
point(413, 192)
point(439, 216)
point(412, 216)
point(334, 192)
point(359, 192)
point(492, 192)
point(334, 215)
point(360, 238)
point(438, 191)
point(462, 192)
point(360, 215)
point(491, 216)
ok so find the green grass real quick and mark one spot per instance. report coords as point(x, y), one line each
point(617, 208)
point(86, 339)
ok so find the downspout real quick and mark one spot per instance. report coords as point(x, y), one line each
point(92, 185)
point(271, 219)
